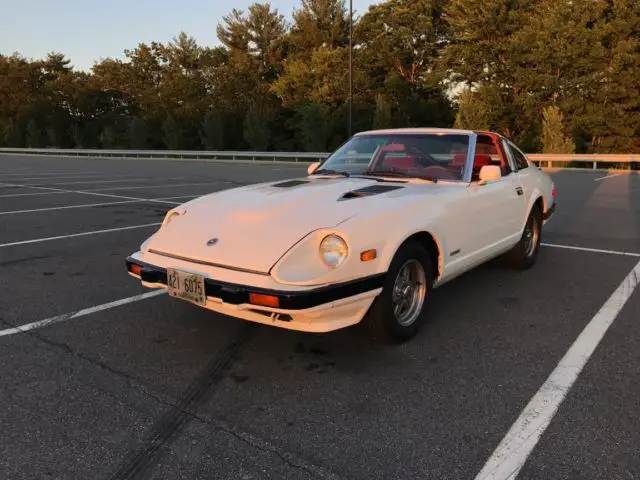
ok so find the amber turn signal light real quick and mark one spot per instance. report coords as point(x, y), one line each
point(264, 300)
point(136, 269)
point(368, 255)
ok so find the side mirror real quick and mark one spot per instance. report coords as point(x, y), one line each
point(489, 173)
point(312, 168)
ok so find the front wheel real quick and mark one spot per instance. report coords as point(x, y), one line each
point(400, 309)
point(525, 253)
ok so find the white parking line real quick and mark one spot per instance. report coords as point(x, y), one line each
point(111, 195)
point(121, 180)
point(152, 186)
point(179, 196)
point(26, 173)
point(57, 177)
point(511, 454)
point(71, 235)
point(80, 313)
point(607, 176)
point(29, 194)
point(51, 190)
point(91, 180)
point(66, 207)
point(595, 250)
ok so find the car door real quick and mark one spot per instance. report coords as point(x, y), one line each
point(523, 170)
point(495, 212)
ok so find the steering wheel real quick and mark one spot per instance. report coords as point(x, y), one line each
point(424, 156)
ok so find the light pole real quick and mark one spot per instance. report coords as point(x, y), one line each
point(350, 65)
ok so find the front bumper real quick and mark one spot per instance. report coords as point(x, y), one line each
point(318, 309)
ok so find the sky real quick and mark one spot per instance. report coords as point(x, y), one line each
point(87, 31)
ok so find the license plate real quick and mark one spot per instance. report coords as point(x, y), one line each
point(186, 286)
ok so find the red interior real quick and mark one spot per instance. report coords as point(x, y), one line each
point(480, 160)
point(405, 163)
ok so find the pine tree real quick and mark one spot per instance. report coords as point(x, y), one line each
point(553, 138)
point(35, 135)
point(256, 128)
point(382, 114)
point(259, 34)
point(138, 134)
point(172, 133)
point(318, 24)
point(315, 127)
point(212, 133)
point(108, 137)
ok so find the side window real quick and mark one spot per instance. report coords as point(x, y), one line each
point(487, 154)
point(519, 158)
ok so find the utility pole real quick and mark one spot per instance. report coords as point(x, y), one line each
point(350, 67)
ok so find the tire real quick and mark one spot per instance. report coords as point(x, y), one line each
point(525, 253)
point(382, 321)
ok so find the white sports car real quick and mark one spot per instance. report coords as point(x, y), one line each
point(365, 237)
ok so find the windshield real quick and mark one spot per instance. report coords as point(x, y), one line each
point(428, 155)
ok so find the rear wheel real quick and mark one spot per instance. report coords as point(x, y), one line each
point(400, 310)
point(525, 253)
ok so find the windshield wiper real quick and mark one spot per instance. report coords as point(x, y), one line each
point(385, 173)
point(396, 173)
point(328, 171)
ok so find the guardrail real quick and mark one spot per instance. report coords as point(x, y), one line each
point(613, 161)
point(629, 162)
point(192, 154)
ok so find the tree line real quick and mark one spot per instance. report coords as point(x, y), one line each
point(554, 75)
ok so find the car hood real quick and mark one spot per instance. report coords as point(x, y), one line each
point(255, 225)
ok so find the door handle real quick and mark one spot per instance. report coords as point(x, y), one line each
point(519, 191)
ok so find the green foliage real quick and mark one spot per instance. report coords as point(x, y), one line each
point(212, 134)
point(492, 64)
point(138, 132)
point(401, 63)
point(256, 128)
point(172, 133)
point(260, 35)
point(315, 127)
point(553, 138)
point(318, 23)
point(484, 108)
point(382, 115)
point(35, 137)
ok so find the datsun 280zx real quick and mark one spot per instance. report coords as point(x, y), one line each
point(365, 237)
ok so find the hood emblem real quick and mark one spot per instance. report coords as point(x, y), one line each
point(212, 242)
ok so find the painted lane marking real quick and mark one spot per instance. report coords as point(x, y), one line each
point(27, 173)
point(607, 176)
point(511, 454)
point(122, 180)
point(57, 177)
point(91, 205)
point(29, 194)
point(66, 207)
point(594, 250)
point(72, 235)
point(80, 313)
point(152, 186)
point(110, 195)
point(51, 190)
point(179, 196)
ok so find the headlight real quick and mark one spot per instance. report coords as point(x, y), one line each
point(333, 250)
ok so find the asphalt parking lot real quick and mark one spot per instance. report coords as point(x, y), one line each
point(105, 379)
